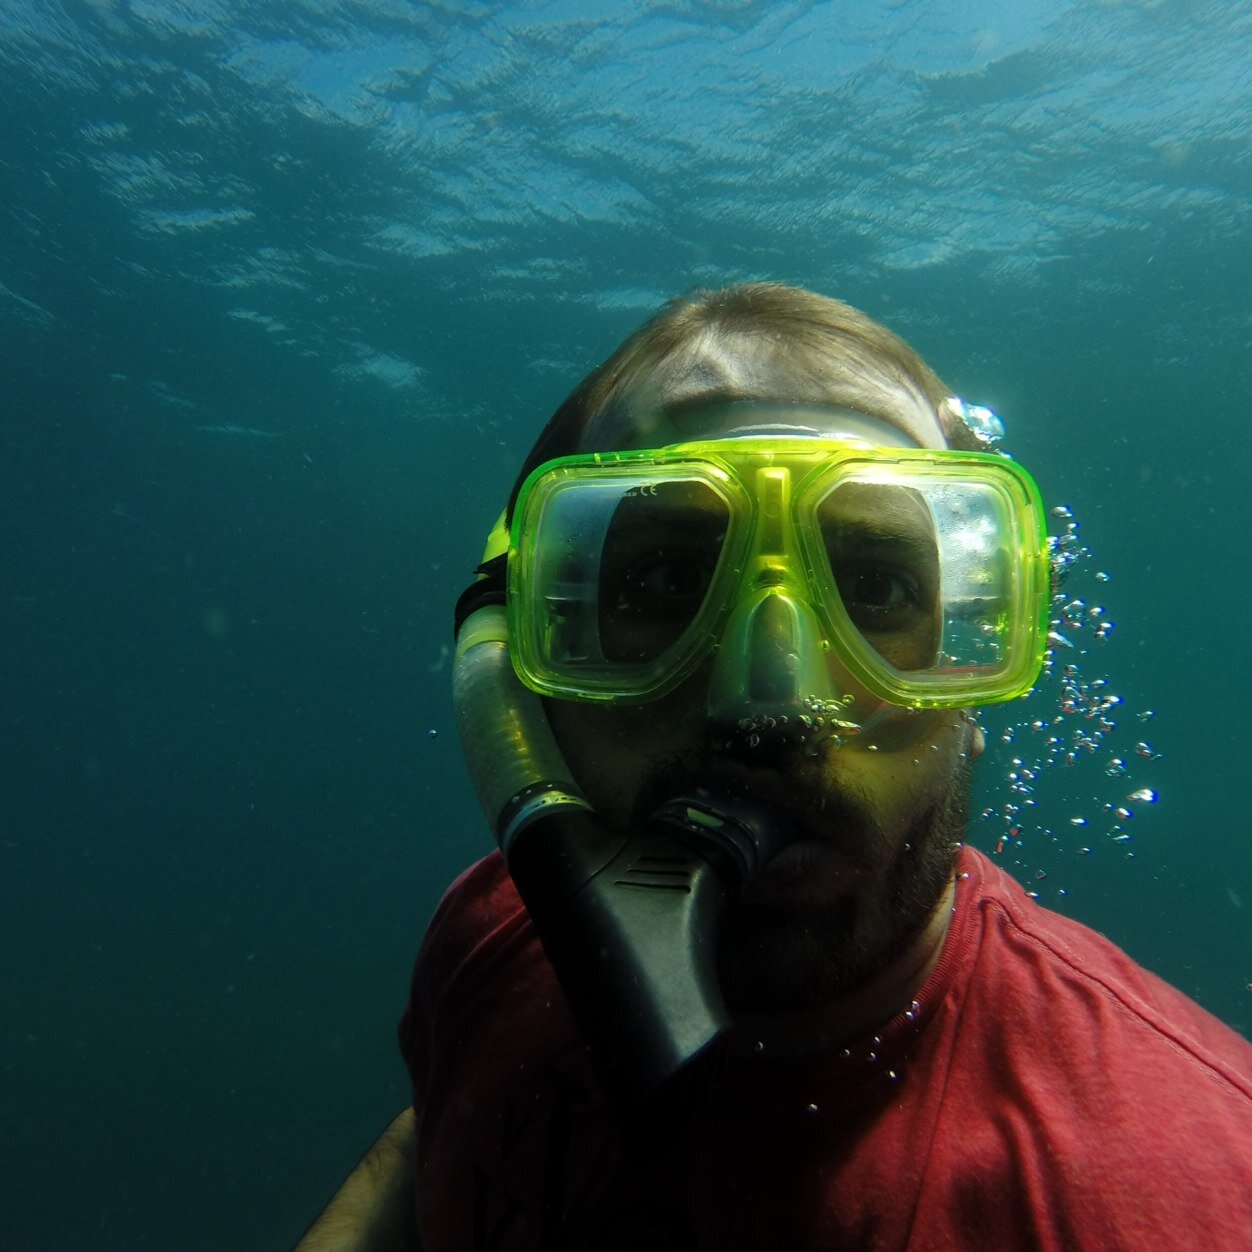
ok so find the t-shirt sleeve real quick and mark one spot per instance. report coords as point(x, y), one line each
point(477, 908)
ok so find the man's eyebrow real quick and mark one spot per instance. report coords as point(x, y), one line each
point(914, 538)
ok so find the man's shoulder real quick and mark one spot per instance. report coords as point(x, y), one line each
point(1065, 1062)
point(479, 912)
point(479, 943)
point(1072, 989)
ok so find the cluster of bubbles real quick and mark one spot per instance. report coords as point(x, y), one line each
point(823, 724)
point(1073, 721)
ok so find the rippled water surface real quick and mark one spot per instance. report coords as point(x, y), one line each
point(286, 289)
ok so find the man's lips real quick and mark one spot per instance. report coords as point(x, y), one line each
point(808, 867)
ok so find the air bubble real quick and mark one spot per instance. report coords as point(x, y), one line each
point(1145, 795)
point(1075, 716)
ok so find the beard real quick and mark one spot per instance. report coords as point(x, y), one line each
point(784, 958)
point(776, 955)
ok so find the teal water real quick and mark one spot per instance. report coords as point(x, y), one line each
point(286, 290)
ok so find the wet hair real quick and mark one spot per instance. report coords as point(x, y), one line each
point(835, 354)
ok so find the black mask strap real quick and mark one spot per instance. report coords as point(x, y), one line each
point(488, 589)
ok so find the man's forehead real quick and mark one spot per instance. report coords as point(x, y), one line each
point(661, 406)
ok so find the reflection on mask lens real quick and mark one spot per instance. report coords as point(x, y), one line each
point(922, 571)
point(881, 545)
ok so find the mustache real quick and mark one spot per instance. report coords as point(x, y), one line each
point(806, 792)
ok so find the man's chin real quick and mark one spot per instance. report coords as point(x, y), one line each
point(779, 953)
point(813, 925)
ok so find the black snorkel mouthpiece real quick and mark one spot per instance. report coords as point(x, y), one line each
point(630, 921)
point(630, 924)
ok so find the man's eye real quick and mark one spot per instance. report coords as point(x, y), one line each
point(879, 596)
point(665, 580)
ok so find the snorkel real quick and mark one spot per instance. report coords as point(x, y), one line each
point(628, 921)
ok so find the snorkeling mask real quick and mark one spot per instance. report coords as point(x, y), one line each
point(829, 586)
point(818, 574)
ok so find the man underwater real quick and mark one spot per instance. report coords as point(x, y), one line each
point(735, 981)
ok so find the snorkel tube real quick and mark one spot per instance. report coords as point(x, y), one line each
point(628, 921)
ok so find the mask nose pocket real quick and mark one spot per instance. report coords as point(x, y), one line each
point(770, 662)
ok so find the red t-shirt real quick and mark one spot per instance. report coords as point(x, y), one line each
point(1047, 1092)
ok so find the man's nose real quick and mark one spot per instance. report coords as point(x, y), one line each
point(770, 664)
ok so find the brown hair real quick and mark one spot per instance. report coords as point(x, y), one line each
point(830, 348)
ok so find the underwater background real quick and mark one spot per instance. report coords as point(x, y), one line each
point(286, 290)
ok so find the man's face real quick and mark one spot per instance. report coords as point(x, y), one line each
point(874, 819)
